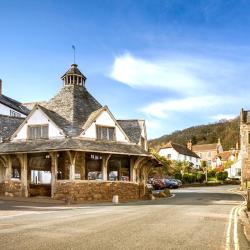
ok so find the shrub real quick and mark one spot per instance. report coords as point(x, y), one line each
point(201, 177)
point(224, 175)
point(178, 176)
point(191, 178)
point(221, 176)
point(211, 173)
point(185, 178)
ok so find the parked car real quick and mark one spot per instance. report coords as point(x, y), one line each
point(179, 182)
point(170, 183)
point(157, 184)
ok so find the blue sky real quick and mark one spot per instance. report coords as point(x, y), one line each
point(173, 63)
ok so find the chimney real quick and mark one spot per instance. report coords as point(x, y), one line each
point(1, 87)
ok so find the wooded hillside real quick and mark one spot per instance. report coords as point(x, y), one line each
point(227, 131)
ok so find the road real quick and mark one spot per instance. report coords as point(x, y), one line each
point(195, 218)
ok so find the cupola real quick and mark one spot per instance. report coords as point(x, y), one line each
point(74, 76)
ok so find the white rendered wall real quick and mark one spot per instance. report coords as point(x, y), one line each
point(5, 110)
point(174, 154)
point(39, 118)
point(179, 157)
point(104, 119)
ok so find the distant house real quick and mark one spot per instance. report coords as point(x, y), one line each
point(209, 153)
point(11, 107)
point(177, 152)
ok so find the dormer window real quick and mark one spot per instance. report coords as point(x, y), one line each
point(105, 133)
point(38, 132)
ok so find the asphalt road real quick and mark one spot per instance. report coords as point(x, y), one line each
point(195, 218)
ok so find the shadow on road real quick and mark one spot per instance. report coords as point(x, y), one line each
point(190, 198)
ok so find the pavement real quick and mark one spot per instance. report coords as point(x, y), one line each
point(194, 218)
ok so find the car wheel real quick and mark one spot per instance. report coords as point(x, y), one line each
point(170, 186)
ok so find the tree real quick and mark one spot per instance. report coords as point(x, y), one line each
point(166, 164)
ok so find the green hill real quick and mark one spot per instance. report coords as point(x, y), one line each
point(226, 130)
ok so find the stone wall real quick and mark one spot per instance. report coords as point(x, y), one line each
point(79, 191)
point(13, 188)
point(40, 190)
point(1, 188)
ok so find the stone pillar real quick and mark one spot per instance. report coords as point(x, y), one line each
point(54, 167)
point(83, 167)
point(24, 173)
point(105, 159)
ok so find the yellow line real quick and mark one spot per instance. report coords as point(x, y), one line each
point(228, 239)
point(236, 240)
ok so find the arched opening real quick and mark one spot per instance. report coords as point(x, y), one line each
point(16, 168)
point(94, 167)
point(63, 170)
point(119, 168)
point(39, 174)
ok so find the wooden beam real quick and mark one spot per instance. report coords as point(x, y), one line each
point(24, 173)
point(72, 157)
point(54, 169)
point(105, 159)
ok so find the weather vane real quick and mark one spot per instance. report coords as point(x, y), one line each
point(74, 48)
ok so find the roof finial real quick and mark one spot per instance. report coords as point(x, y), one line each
point(74, 49)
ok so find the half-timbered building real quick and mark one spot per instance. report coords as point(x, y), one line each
point(72, 147)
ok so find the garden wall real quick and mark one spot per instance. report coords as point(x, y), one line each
point(78, 191)
point(12, 188)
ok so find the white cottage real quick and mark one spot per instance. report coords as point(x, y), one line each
point(177, 152)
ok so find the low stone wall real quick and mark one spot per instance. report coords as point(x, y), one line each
point(13, 188)
point(2, 188)
point(80, 191)
point(40, 190)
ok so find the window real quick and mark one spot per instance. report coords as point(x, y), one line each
point(14, 113)
point(16, 172)
point(38, 132)
point(169, 156)
point(209, 154)
point(105, 133)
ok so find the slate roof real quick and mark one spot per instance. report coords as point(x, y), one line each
point(71, 108)
point(8, 125)
point(13, 104)
point(74, 71)
point(181, 149)
point(72, 144)
point(132, 128)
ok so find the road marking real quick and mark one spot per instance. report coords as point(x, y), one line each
point(236, 240)
point(235, 211)
point(228, 239)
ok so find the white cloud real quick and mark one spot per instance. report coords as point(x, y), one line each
point(188, 104)
point(139, 73)
point(219, 117)
point(183, 74)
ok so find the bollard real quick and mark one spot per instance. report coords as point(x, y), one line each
point(115, 199)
